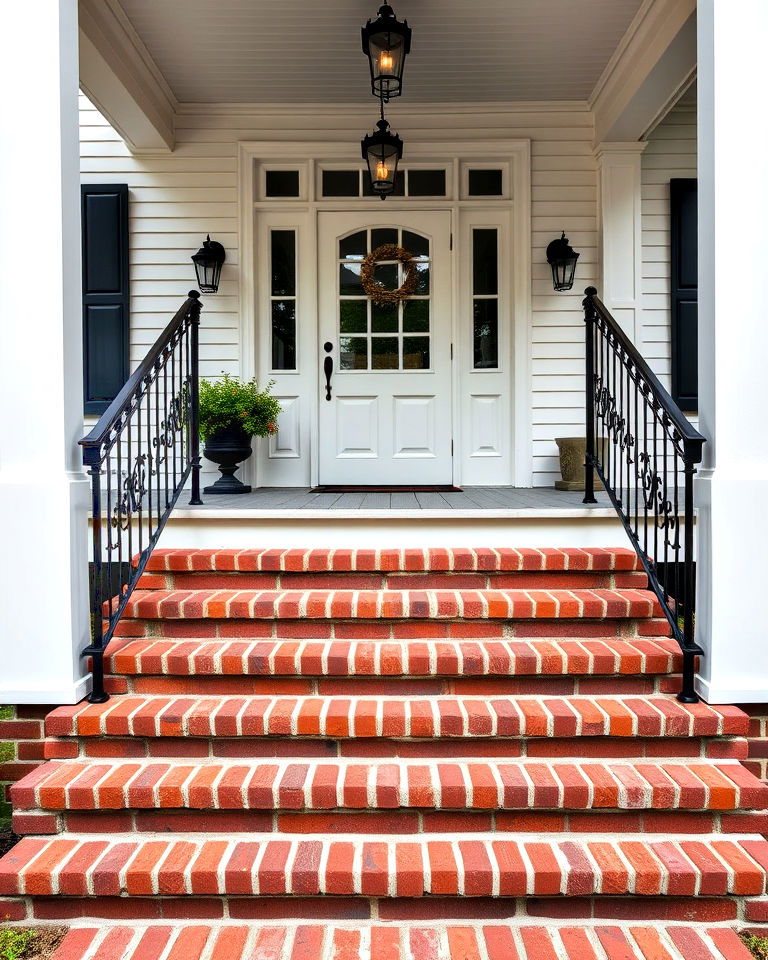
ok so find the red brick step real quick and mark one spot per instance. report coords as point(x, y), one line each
point(482, 865)
point(358, 785)
point(412, 560)
point(385, 658)
point(388, 717)
point(455, 941)
point(425, 604)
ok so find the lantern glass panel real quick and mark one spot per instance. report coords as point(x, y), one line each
point(208, 272)
point(382, 167)
point(399, 190)
point(387, 56)
point(563, 272)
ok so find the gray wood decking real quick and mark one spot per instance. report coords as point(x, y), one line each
point(470, 498)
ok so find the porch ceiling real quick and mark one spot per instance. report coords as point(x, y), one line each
point(286, 51)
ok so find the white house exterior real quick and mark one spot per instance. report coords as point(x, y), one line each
point(595, 164)
point(413, 696)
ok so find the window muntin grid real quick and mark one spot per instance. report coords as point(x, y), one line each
point(373, 338)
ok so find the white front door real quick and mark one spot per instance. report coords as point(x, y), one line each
point(388, 419)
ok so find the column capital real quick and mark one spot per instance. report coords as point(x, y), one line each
point(611, 148)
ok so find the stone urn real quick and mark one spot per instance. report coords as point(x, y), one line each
point(573, 451)
point(229, 447)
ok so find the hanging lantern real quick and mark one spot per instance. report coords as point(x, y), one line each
point(562, 258)
point(386, 43)
point(208, 261)
point(382, 152)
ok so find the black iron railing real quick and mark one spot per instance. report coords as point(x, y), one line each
point(139, 456)
point(644, 451)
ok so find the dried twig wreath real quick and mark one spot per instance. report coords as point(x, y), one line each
point(379, 295)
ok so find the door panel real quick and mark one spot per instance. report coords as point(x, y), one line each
point(414, 426)
point(388, 419)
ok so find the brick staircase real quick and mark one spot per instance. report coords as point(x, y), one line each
point(396, 755)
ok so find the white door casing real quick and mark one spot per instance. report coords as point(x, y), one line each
point(388, 420)
point(490, 408)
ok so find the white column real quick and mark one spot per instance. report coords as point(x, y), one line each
point(43, 493)
point(732, 489)
point(620, 232)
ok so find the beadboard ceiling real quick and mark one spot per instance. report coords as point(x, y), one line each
point(290, 51)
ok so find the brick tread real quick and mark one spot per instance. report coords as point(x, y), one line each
point(395, 717)
point(483, 865)
point(383, 658)
point(408, 560)
point(292, 784)
point(225, 772)
point(392, 604)
point(467, 941)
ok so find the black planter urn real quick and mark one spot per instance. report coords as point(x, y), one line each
point(229, 447)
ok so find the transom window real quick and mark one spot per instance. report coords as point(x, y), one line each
point(408, 183)
point(390, 337)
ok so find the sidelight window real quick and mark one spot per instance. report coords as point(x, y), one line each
point(283, 298)
point(485, 298)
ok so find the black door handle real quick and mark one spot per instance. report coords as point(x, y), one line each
point(328, 368)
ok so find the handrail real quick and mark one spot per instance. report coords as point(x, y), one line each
point(139, 455)
point(646, 461)
point(106, 421)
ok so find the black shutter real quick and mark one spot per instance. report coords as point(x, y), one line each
point(104, 218)
point(685, 292)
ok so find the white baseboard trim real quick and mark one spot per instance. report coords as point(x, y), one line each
point(714, 693)
point(59, 695)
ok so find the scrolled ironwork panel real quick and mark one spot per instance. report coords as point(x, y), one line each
point(646, 459)
point(152, 423)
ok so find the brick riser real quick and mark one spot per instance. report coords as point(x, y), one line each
point(396, 735)
point(383, 580)
point(381, 942)
point(169, 910)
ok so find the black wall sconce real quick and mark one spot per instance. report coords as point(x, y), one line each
point(562, 258)
point(208, 261)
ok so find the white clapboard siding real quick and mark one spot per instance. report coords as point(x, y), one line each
point(174, 201)
point(177, 198)
point(671, 153)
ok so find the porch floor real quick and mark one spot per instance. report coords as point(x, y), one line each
point(506, 501)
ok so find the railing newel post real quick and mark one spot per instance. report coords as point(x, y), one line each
point(194, 420)
point(589, 459)
point(690, 458)
point(96, 649)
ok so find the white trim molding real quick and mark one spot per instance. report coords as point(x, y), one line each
point(652, 65)
point(514, 154)
point(120, 77)
point(72, 693)
point(619, 219)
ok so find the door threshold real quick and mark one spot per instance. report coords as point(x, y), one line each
point(383, 488)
